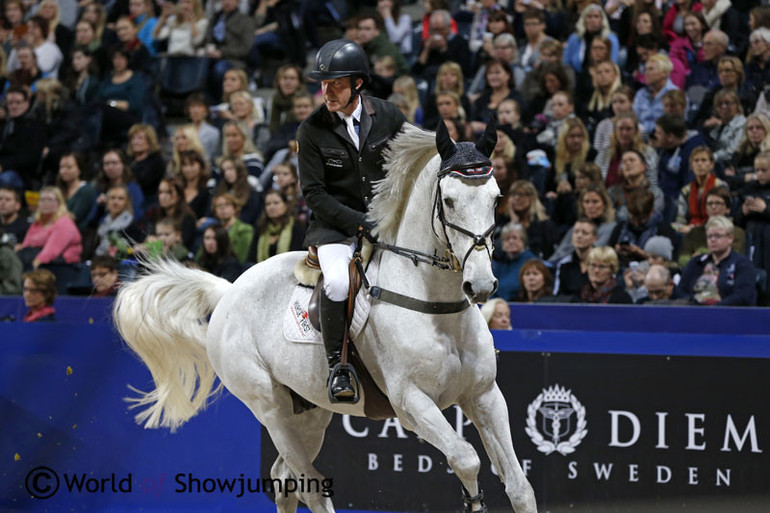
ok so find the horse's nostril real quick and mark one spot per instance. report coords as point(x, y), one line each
point(468, 288)
point(494, 286)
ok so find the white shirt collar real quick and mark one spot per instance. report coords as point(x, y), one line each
point(356, 113)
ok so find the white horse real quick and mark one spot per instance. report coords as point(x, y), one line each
point(423, 362)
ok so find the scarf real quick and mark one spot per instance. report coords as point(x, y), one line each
point(281, 111)
point(110, 225)
point(589, 295)
point(35, 315)
point(697, 200)
point(282, 244)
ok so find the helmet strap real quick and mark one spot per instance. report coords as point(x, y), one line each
point(353, 91)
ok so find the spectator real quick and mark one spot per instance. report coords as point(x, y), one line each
point(20, 142)
point(147, 165)
point(183, 26)
point(721, 276)
point(11, 220)
point(704, 73)
point(278, 231)
point(448, 79)
point(88, 41)
point(691, 206)
point(673, 21)
point(96, 14)
point(375, 42)
point(302, 106)
point(83, 81)
point(226, 210)
point(198, 111)
point(573, 149)
point(525, 209)
point(602, 286)
point(758, 59)
point(756, 139)
point(595, 204)
point(536, 281)
point(675, 144)
point(39, 295)
point(727, 127)
point(533, 87)
point(565, 206)
point(137, 53)
point(722, 15)
point(440, 47)
point(114, 171)
point(648, 102)
point(633, 176)
point(117, 229)
point(406, 86)
point(562, 109)
point(168, 231)
point(504, 49)
point(229, 40)
point(687, 49)
point(648, 46)
point(659, 285)
point(646, 22)
point(433, 5)
point(622, 101)
point(11, 268)
point(53, 237)
point(236, 80)
point(731, 79)
point(104, 276)
point(235, 180)
point(508, 260)
point(48, 55)
point(497, 314)
point(14, 13)
point(142, 13)
point(195, 175)
point(606, 80)
point(185, 139)
point(534, 28)
point(629, 236)
point(499, 87)
point(237, 143)
point(80, 195)
point(754, 216)
point(286, 180)
point(216, 255)
point(572, 271)
point(593, 23)
point(249, 119)
point(288, 83)
point(171, 204)
point(397, 24)
point(626, 137)
point(122, 99)
point(718, 203)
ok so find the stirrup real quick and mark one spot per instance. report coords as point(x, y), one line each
point(468, 502)
point(354, 383)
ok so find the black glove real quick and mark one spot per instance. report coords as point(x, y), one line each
point(365, 230)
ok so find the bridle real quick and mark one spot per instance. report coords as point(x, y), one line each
point(473, 172)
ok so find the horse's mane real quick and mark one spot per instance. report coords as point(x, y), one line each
point(405, 158)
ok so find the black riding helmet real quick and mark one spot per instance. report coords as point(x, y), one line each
point(341, 58)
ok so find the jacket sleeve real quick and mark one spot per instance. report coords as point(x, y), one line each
point(745, 288)
point(325, 206)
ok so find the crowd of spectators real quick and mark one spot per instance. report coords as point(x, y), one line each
point(633, 149)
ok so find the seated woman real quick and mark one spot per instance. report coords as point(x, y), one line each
point(235, 80)
point(591, 24)
point(573, 149)
point(633, 175)
point(114, 171)
point(602, 286)
point(117, 229)
point(497, 314)
point(448, 79)
point(185, 138)
point(183, 25)
point(691, 205)
point(536, 282)
point(524, 208)
point(83, 80)
point(286, 180)
point(226, 209)
point(53, 237)
point(288, 82)
point(756, 138)
point(216, 255)
point(595, 204)
point(726, 127)
point(565, 206)
point(80, 195)
point(235, 180)
point(171, 204)
point(508, 259)
point(499, 86)
point(622, 100)
point(572, 271)
point(147, 164)
point(277, 231)
point(754, 216)
point(606, 80)
point(195, 175)
point(719, 201)
point(237, 143)
point(625, 136)
point(39, 295)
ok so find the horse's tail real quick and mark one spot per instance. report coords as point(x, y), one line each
point(163, 318)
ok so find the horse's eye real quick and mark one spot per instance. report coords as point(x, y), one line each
point(449, 202)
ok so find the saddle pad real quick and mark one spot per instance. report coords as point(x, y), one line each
point(296, 324)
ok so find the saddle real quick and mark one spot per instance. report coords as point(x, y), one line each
point(308, 271)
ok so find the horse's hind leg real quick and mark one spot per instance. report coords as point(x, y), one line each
point(316, 421)
point(419, 413)
point(489, 413)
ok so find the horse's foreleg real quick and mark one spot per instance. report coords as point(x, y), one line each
point(489, 413)
point(419, 413)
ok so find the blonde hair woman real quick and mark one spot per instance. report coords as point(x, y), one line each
point(53, 235)
point(603, 286)
point(572, 151)
point(147, 164)
point(406, 86)
point(183, 25)
point(525, 208)
point(497, 313)
point(449, 79)
point(185, 139)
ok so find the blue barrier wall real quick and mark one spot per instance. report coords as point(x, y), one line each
point(61, 403)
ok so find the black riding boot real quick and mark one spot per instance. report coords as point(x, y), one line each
point(333, 331)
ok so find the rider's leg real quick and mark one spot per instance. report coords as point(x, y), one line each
point(334, 260)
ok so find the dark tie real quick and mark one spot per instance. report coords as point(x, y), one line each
point(357, 126)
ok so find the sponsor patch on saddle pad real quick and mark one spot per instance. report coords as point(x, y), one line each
point(296, 322)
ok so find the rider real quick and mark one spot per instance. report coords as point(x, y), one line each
point(340, 149)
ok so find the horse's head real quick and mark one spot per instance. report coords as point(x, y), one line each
point(465, 206)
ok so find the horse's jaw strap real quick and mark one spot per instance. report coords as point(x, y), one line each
point(418, 305)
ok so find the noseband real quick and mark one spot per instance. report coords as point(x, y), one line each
point(473, 172)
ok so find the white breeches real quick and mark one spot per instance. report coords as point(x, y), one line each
point(334, 260)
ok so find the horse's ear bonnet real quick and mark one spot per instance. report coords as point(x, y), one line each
point(465, 159)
